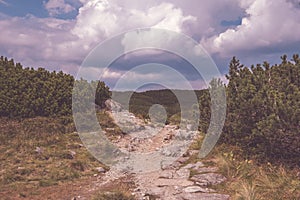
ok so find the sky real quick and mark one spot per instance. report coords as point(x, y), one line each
point(60, 34)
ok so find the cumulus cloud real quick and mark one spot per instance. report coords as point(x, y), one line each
point(161, 41)
point(267, 24)
point(57, 7)
point(56, 42)
point(101, 19)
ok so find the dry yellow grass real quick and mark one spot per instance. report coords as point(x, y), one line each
point(37, 153)
point(248, 180)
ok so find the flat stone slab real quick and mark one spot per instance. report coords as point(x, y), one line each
point(205, 169)
point(194, 189)
point(173, 182)
point(182, 159)
point(194, 165)
point(203, 196)
point(208, 179)
point(168, 192)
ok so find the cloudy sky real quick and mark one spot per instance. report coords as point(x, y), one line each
point(59, 34)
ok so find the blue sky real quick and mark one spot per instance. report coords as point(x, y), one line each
point(59, 34)
point(23, 8)
point(17, 8)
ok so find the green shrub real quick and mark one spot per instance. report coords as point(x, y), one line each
point(28, 92)
point(263, 111)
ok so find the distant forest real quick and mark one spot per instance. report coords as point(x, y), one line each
point(263, 104)
point(28, 92)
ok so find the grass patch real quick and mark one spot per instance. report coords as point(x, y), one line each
point(249, 180)
point(116, 195)
point(46, 183)
point(120, 189)
point(37, 153)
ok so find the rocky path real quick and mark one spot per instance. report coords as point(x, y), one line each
point(174, 181)
point(177, 183)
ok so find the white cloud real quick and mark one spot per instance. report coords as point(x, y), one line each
point(160, 40)
point(267, 24)
point(38, 42)
point(55, 42)
point(100, 19)
point(96, 19)
point(172, 17)
point(56, 7)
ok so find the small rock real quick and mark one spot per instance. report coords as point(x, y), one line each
point(146, 198)
point(201, 184)
point(182, 159)
point(39, 150)
point(183, 173)
point(166, 174)
point(166, 153)
point(171, 151)
point(193, 189)
point(21, 168)
point(186, 154)
point(193, 152)
point(131, 148)
point(168, 137)
point(194, 166)
point(175, 165)
point(73, 153)
point(100, 169)
point(189, 127)
point(110, 129)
